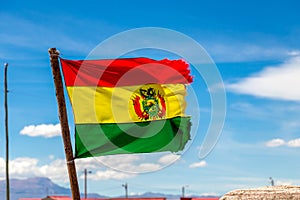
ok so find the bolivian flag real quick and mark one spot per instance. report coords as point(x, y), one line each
point(131, 105)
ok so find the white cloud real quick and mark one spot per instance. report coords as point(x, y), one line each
point(115, 160)
point(130, 163)
point(20, 167)
point(148, 167)
point(24, 167)
point(100, 172)
point(56, 170)
point(198, 164)
point(117, 166)
point(43, 130)
point(110, 174)
point(168, 159)
point(294, 143)
point(279, 82)
point(207, 194)
point(275, 142)
point(294, 53)
point(280, 142)
point(283, 182)
point(135, 193)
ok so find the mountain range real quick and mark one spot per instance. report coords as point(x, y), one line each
point(34, 187)
point(40, 187)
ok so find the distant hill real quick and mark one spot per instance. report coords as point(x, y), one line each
point(153, 194)
point(34, 187)
point(40, 187)
point(168, 196)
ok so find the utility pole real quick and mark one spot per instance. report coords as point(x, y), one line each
point(6, 131)
point(183, 190)
point(272, 181)
point(126, 190)
point(85, 182)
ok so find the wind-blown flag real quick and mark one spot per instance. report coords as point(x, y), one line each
point(130, 105)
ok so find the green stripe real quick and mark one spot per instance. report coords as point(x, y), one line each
point(140, 137)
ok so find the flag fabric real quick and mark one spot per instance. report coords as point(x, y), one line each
point(128, 105)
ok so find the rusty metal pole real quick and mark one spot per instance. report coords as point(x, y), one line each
point(54, 54)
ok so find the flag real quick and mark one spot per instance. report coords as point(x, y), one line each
point(128, 105)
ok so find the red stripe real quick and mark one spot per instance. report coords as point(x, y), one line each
point(124, 72)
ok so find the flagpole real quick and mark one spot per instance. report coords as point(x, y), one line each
point(54, 54)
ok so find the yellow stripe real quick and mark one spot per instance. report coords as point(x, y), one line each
point(115, 105)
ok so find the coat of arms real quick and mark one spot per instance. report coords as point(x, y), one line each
point(149, 103)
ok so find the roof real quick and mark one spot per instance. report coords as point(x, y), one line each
point(29, 198)
point(69, 198)
point(200, 198)
point(57, 198)
point(137, 198)
point(147, 198)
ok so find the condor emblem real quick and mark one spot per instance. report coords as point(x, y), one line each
point(149, 103)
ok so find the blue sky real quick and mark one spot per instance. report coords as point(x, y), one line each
point(254, 44)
